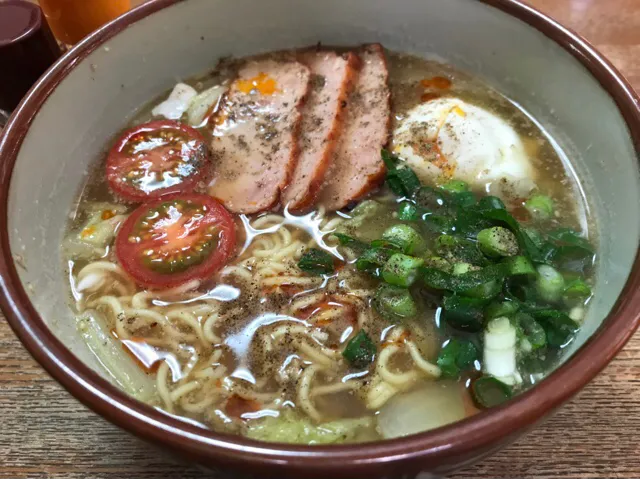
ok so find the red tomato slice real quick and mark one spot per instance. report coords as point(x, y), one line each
point(157, 159)
point(172, 240)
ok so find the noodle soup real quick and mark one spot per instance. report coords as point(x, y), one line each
point(330, 246)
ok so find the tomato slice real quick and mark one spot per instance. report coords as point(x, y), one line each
point(157, 159)
point(175, 239)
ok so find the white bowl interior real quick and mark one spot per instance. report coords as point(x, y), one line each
point(104, 91)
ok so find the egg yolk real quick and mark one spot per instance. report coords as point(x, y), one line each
point(261, 83)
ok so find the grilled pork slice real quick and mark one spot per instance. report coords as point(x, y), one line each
point(332, 77)
point(255, 137)
point(357, 166)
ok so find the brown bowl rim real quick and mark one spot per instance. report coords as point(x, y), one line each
point(478, 433)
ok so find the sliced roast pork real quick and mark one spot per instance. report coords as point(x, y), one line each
point(255, 137)
point(357, 167)
point(332, 77)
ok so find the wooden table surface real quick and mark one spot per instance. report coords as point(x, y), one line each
point(48, 434)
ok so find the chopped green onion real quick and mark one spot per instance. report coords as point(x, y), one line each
point(360, 350)
point(549, 283)
point(498, 241)
point(408, 212)
point(316, 261)
point(490, 392)
point(394, 303)
point(520, 266)
point(401, 270)
point(455, 186)
point(409, 240)
point(456, 356)
point(540, 207)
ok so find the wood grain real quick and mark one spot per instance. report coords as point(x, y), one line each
point(47, 434)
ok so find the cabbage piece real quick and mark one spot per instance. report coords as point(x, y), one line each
point(202, 104)
point(91, 241)
point(124, 372)
point(177, 103)
point(436, 404)
point(291, 428)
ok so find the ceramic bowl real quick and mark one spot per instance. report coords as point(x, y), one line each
point(68, 118)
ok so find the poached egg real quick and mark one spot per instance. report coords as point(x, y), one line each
point(447, 138)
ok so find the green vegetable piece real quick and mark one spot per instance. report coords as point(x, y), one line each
point(532, 330)
point(461, 268)
point(549, 283)
point(490, 392)
point(498, 241)
point(438, 223)
point(430, 199)
point(560, 328)
point(317, 262)
point(408, 212)
point(463, 313)
point(490, 203)
point(383, 243)
point(401, 180)
point(528, 247)
point(573, 253)
point(538, 361)
point(408, 180)
point(401, 270)
point(350, 242)
point(520, 266)
point(456, 356)
point(438, 279)
point(501, 309)
point(372, 259)
point(455, 186)
point(567, 236)
point(360, 350)
point(409, 240)
point(445, 242)
point(436, 262)
point(458, 249)
point(540, 207)
point(464, 199)
point(390, 161)
point(576, 292)
point(394, 303)
point(488, 290)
